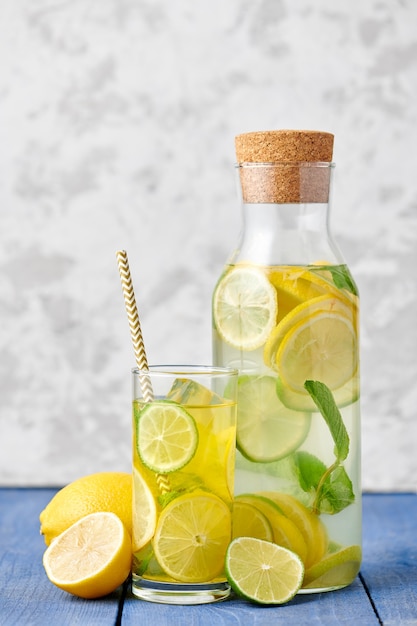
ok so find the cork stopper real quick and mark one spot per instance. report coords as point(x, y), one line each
point(285, 166)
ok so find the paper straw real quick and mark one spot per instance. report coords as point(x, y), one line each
point(134, 324)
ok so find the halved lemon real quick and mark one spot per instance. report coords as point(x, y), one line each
point(91, 558)
point(166, 436)
point(192, 536)
point(244, 307)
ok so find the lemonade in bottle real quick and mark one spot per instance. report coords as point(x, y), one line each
point(183, 468)
point(286, 315)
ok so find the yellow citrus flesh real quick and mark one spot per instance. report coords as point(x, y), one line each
point(91, 558)
point(285, 532)
point(248, 521)
point(191, 537)
point(309, 524)
point(301, 313)
point(262, 571)
point(144, 512)
point(103, 491)
point(321, 347)
point(335, 570)
point(244, 307)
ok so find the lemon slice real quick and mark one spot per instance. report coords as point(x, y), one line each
point(144, 512)
point(301, 313)
point(244, 308)
point(266, 429)
point(334, 571)
point(321, 347)
point(285, 532)
point(192, 536)
point(248, 521)
point(263, 572)
point(167, 436)
point(309, 524)
point(91, 558)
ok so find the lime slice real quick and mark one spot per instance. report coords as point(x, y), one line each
point(166, 437)
point(334, 571)
point(192, 536)
point(285, 532)
point(248, 521)
point(309, 524)
point(321, 347)
point(302, 401)
point(144, 512)
point(244, 308)
point(266, 429)
point(262, 571)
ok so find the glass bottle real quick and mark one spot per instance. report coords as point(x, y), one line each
point(286, 315)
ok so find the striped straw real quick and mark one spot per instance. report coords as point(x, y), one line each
point(134, 323)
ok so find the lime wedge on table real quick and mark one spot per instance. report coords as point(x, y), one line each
point(262, 571)
point(336, 570)
point(192, 536)
point(166, 436)
point(244, 307)
point(266, 429)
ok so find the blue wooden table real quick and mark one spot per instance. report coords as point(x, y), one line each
point(385, 592)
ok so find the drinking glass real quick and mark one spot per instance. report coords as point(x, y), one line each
point(184, 428)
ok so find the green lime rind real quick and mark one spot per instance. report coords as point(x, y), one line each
point(267, 430)
point(166, 436)
point(302, 401)
point(335, 570)
point(263, 572)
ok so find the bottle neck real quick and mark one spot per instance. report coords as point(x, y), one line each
point(286, 234)
point(285, 214)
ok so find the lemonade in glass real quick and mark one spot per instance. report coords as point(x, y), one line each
point(183, 471)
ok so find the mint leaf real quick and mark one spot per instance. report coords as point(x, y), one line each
point(309, 470)
point(332, 487)
point(341, 277)
point(323, 399)
point(336, 492)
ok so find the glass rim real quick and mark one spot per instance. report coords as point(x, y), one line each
point(193, 370)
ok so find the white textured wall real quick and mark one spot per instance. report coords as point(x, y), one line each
point(117, 125)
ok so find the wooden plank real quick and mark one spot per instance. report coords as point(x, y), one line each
point(26, 595)
point(337, 607)
point(389, 569)
point(389, 573)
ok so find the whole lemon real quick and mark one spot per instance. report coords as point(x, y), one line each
point(105, 491)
